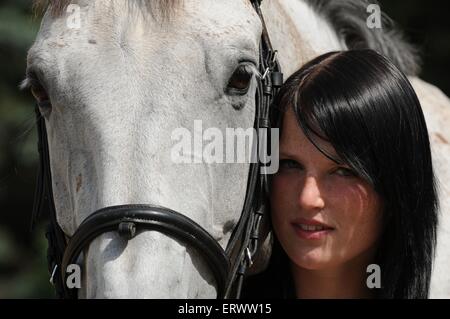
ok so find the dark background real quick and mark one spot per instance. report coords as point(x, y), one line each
point(23, 271)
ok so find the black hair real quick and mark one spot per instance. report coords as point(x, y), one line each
point(366, 108)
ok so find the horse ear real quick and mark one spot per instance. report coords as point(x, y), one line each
point(350, 20)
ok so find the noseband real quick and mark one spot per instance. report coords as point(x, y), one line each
point(228, 266)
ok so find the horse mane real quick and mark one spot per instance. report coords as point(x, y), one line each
point(164, 7)
point(348, 18)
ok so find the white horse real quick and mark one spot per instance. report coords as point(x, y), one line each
point(134, 72)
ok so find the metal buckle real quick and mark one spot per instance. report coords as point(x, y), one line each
point(274, 57)
point(52, 277)
point(127, 230)
point(265, 74)
point(249, 257)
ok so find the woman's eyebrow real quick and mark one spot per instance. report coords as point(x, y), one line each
point(299, 158)
point(287, 154)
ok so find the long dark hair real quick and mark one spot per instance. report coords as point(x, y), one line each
point(366, 108)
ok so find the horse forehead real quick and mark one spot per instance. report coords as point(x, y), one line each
point(96, 54)
point(216, 17)
point(222, 17)
point(214, 24)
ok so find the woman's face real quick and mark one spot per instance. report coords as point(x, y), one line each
point(323, 215)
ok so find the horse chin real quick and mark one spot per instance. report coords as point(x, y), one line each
point(151, 265)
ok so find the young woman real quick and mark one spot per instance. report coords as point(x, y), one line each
point(355, 187)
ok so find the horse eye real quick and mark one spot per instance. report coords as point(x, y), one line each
point(40, 94)
point(239, 82)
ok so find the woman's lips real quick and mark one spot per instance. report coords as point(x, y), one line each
point(311, 229)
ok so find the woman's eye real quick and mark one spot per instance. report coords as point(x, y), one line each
point(290, 164)
point(345, 172)
point(239, 82)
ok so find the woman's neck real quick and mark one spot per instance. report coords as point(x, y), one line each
point(346, 281)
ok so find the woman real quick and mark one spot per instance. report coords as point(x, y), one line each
point(355, 185)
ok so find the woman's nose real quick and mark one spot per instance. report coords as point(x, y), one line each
point(309, 195)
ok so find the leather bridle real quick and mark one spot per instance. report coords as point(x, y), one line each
point(228, 266)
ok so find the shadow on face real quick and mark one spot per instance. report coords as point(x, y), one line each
point(323, 214)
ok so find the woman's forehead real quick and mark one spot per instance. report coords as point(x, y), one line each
point(294, 142)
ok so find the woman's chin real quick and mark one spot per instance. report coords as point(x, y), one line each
point(313, 261)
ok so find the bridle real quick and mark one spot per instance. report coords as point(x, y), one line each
point(229, 266)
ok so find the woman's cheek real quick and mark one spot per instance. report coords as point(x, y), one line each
point(284, 187)
point(357, 213)
point(283, 198)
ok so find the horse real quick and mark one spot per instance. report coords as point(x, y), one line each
point(135, 71)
